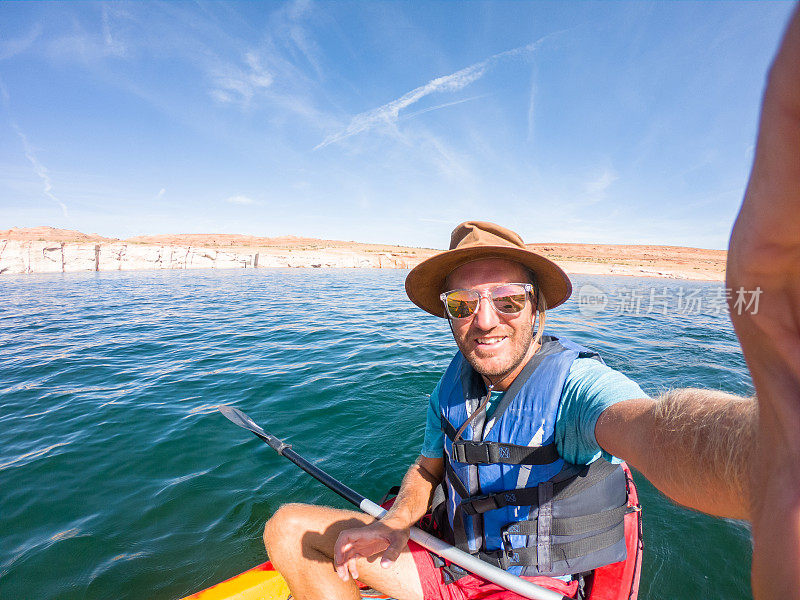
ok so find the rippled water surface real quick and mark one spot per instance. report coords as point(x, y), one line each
point(118, 479)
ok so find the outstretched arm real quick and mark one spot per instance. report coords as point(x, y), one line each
point(693, 445)
point(765, 253)
point(390, 534)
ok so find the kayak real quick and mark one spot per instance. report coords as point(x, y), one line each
point(617, 581)
point(262, 582)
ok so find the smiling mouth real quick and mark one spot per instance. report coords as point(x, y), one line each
point(488, 342)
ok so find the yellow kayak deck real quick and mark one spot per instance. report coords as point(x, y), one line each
point(262, 582)
point(259, 583)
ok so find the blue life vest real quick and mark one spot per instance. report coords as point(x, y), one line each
point(510, 497)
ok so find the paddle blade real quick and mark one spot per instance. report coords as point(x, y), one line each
point(236, 416)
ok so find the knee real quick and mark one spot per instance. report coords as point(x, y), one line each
point(285, 528)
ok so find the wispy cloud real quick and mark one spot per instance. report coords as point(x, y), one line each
point(389, 113)
point(296, 34)
point(160, 194)
point(39, 168)
point(4, 95)
point(534, 75)
point(240, 83)
point(90, 43)
point(114, 45)
point(12, 47)
point(446, 158)
point(241, 67)
point(532, 105)
point(596, 187)
point(239, 199)
point(274, 72)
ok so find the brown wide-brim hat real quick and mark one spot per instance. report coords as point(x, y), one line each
point(476, 240)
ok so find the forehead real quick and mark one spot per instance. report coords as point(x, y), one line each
point(486, 272)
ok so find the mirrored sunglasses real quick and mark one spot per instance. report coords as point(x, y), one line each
point(507, 299)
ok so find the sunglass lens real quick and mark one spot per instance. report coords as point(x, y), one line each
point(509, 299)
point(462, 303)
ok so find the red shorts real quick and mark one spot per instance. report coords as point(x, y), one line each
point(472, 587)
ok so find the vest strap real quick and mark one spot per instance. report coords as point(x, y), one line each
point(455, 481)
point(527, 557)
point(477, 505)
point(586, 477)
point(570, 525)
point(448, 429)
point(483, 453)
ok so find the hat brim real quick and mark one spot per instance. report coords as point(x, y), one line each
point(425, 281)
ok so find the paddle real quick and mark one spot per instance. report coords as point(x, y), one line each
point(435, 545)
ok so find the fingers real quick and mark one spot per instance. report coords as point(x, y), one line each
point(392, 553)
point(351, 545)
point(365, 542)
point(344, 557)
point(349, 568)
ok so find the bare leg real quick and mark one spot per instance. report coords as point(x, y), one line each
point(300, 538)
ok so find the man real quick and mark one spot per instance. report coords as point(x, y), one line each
point(569, 403)
point(698, 447)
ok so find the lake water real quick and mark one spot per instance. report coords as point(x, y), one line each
point(118, 479)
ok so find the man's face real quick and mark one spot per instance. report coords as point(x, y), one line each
point(497, 346)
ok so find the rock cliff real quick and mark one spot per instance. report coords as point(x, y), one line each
point(49, 250)
point(36, 256)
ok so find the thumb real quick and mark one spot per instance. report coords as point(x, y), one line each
point(392, 553)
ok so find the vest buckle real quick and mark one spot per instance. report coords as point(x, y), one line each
point(472, 453)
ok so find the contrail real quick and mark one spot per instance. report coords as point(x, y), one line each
point(39, 168)
point(445, 105)
point(389, 113)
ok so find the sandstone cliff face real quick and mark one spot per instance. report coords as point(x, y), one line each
point(61, 257)
point(49, 250)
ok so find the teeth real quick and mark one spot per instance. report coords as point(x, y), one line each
point(492, 340)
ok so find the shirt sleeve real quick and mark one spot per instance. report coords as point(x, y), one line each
point(433, 445)
point(590, 388)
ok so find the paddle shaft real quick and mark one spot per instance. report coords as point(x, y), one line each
point(467, 561)
point(337, 486)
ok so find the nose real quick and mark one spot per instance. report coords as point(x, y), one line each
point(485, 315)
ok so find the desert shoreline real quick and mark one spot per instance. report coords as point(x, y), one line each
point(49, 250)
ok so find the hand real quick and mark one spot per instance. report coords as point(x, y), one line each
point(366, 542)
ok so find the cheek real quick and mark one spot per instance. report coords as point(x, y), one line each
point(523, 330)
point(461, 332)
point(522, 322)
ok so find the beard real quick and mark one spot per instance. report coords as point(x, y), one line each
point(495, 368)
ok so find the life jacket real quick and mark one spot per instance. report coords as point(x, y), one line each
point(510, 498)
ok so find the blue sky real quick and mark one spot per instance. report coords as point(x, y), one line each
point(383, 121)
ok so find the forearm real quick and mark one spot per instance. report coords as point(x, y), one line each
point(415, 494)
point(696, 446)
point(765, 253)
point(712, 436)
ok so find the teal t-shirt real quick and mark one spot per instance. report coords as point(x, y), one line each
point(590, 388)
